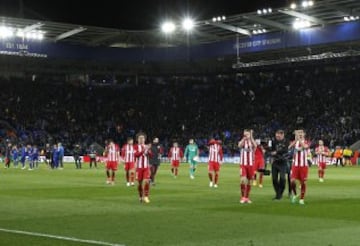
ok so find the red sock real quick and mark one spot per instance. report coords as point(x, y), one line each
point(293, 187)
point(242, 188)
point(176, 171)
point(147, 189)
point(248, 188)
point(303, 189)
point(216, 178)
point(140, 189)
point(210, 177)
point(261, 178)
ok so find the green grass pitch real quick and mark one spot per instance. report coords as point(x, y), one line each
point(77, 203)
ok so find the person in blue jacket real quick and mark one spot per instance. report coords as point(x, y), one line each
point(55, 157)
point(61, 155)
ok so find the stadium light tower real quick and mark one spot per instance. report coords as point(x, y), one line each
point(188, 24)
point(168, 27)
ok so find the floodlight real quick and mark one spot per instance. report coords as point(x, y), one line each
point(6, 32)
point(293, 6)
point(188, 24)
point(168, 27)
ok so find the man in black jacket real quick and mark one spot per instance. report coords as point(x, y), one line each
point(154, 159)
point(279, 150)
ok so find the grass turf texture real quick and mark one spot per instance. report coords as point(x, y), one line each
point(77, 203)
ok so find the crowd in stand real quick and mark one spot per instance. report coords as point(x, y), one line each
point(323, 100)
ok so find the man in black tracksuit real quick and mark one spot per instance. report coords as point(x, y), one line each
point(154, 159)
point(279, 151)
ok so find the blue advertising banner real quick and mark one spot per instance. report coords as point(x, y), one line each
point(272, 41)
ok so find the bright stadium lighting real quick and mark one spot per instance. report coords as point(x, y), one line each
point(255, 32)
point(34, 35)
point(300, 24)
point(263, 30)
point(218, 18)
point(259, 12)
point(20, 33)
point(188, 24)
point(6, 32)
point(223, 17)
point(293, 6)
point(346, 18)
point(270, 10)
point(352, 18)
point(28, 35)
point(40, 36)
point(307, 4)
point(168, 27)
point(265, 11)
point(214, 19)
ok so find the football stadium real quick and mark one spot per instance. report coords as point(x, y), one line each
point(180, 123)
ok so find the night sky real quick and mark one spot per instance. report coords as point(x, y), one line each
point(129, 14)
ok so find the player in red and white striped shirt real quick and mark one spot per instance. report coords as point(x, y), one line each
point(300, 168)
point(142, 155)
point(175, 155)
point(215, 159)
point(247, 164)
point(112, 153)
point(322, 153)
point(128, 155)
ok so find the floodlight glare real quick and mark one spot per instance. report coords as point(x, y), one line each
point(40, 36)
point(293, 6)
point(20, 33)
point(310, 3)
point(305, 4)
point(265, 11)
point(259, 12)
point(6, 32)
point(270, 10)
point(188, 24)
point(223, 17)
point(300, 24)
point(219, 18)
point(214, 19)
point(168, 27)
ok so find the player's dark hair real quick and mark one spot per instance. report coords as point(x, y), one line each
point(140, 134)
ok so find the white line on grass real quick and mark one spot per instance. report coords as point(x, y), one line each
point(72, 239)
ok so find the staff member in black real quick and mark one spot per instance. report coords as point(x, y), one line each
point(279, 150)
point(154, 159)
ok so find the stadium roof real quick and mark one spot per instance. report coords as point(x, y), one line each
point(323, 12)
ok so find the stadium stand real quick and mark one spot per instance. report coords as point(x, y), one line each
point(184, 107)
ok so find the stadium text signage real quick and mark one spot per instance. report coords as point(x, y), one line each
point(18, 48)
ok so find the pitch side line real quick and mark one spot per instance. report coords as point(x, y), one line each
point(72, 239)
